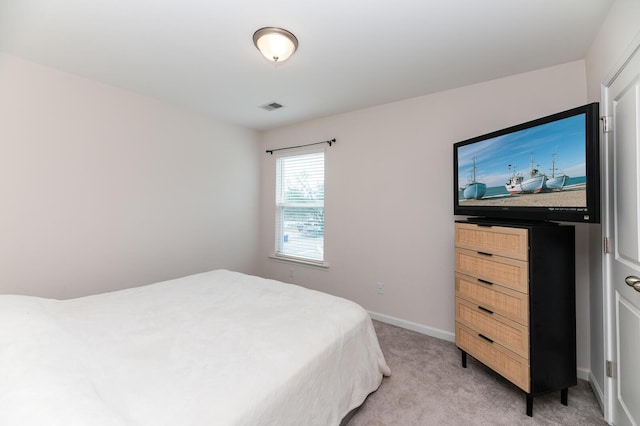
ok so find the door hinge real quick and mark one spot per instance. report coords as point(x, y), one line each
point(607, 123)
point(609, 368)
point(607, 245)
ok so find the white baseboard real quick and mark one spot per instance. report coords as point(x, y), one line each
point(429, 331)
point(582, 373)
point(597, 390)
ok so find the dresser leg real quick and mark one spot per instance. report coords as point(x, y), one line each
point(564, 394)
point(464, 359)
point(529, 405)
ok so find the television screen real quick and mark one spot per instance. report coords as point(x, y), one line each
point(543, 170)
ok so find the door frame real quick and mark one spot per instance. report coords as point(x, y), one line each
point(609, 315)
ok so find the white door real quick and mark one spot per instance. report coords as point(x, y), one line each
point(622, 99)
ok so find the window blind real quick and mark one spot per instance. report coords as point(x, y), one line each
point(300, 206)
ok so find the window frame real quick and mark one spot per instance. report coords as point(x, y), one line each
point(279, 205)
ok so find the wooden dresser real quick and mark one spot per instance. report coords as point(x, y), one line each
point(515, 303)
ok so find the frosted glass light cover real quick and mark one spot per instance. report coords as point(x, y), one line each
point(275, 44)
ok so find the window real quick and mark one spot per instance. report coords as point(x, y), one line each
point(300, 206)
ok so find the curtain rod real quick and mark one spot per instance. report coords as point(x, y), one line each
point(330, 142)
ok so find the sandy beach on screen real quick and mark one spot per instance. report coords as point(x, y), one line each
point(575, 196)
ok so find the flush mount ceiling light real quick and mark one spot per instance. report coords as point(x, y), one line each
point(276, 44)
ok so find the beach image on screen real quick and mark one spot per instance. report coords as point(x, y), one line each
point(542, 166)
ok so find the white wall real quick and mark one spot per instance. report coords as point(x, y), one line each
point(103, 189)
point(621, 27)
point(389, 215)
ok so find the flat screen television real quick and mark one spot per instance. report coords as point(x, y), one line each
point(542, 170)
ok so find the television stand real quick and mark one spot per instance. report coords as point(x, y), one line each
point(515, 303)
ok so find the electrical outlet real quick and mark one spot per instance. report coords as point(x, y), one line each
point(380, 288)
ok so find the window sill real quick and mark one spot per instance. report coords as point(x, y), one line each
point(287, 259)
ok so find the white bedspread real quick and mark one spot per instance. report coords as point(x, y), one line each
point(218, 348)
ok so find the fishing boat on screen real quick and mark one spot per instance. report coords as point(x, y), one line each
point(555, 182)
point(474, 190)
point(533, 183)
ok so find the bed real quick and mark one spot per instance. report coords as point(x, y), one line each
point(217, 348)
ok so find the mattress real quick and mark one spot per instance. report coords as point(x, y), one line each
point(217, 348)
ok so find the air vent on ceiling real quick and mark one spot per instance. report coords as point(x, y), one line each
point(272, 106)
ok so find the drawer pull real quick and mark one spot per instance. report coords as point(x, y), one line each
point(485, 338)
point(484, 281)
point(484, 253)
point(485, 309)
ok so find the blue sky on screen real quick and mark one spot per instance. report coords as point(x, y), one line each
point(565, 138)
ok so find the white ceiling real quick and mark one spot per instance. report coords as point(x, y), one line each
point(352, 54)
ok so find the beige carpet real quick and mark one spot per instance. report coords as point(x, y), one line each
point(428, 386)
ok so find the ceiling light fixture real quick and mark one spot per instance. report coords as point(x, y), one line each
point(276, 44)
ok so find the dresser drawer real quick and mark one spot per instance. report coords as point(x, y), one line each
point(508, 303)
point(500, 270)
point(498, 240)
point(509, 334)
point(508, 364)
